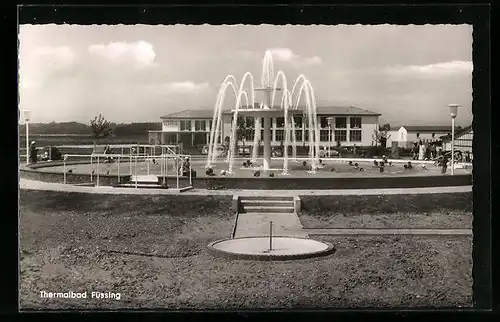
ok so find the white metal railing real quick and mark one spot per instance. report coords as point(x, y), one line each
point(133, 161)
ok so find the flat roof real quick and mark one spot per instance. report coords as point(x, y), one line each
point(428, 128)
point(321, 110)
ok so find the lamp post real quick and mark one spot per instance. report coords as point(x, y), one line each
point(26, 117)
point(453, 114)
point(330, 121)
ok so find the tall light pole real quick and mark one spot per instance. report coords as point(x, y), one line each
point(453, 114)
point(26, 117)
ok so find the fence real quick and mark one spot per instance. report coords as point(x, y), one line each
point(115, 162)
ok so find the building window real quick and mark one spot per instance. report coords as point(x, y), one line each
point(306, 135)
point(324, 135)
point(340, 122)
point(200, 125)
point(355, 135)
point(249, 134)
point(170, 138)
point(185, 125)
point(355, 122)
point(297, 121)
point(280, 135)
point(340, 135)
point(210, 125)
point(250, 122)
point(298, 135)
point(280, 122)
point(169, 122)
point(200, 138)
point(323, 122)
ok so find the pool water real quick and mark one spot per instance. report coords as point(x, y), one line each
point(331, 168)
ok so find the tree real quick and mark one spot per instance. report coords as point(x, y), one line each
point(241, 129)
point(381, 134)
point(100, 127)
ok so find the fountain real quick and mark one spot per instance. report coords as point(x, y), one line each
point(265, 110)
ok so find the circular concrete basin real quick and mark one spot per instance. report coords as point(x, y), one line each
point(258, 248)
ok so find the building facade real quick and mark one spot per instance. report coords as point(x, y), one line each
point(463, 140)
point(345, 126)
point(408, 134)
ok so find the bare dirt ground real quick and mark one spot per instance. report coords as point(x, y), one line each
point(435, 219)
point(156, 258)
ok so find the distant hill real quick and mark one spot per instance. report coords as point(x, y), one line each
point(136, 128)
point(56, 128)
point(74, 128)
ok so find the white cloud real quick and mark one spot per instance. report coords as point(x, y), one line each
point(58, 57)
point(439, 69)
point(287, 55)
point(186, 87)
point(141, 52)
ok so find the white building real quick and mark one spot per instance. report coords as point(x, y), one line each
point(350, 126)
point(408, 134)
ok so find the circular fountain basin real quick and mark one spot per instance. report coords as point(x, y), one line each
point(257, 248)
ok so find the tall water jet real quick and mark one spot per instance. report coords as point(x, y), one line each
point(265, 110)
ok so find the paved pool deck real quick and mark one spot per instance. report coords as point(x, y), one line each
point(27, 184)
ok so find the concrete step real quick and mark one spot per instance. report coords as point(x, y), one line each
point(267, 197)
point(141, 186)
point(267, 214)
point(268, 209)
point(286, 203)
point(144, 182)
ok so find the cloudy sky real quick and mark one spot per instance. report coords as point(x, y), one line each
point(138, 73)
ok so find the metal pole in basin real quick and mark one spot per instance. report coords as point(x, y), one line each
point(91, 168)
point(270, 235)
point(147, 163)
point(64, 169)
point(190, 177)
point(98, 170)
point(177, 170)
point(135, 171)
point(118, 169)
point(165, 164)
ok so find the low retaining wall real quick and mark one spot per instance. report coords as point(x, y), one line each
point(72, 178)
point(134, 205)
point(386, 204)
point(315, 183)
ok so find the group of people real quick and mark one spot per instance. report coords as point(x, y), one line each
point(425, 150)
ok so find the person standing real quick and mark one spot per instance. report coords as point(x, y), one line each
point(421, 153)
point(444, 164)
point(33, 152)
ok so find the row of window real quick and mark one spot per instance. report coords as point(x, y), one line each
point(248, 122)
point(324, 122)
point(324, 135)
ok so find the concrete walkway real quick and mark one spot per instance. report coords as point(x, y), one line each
point(383, 231)
point(257, 225)
point(39, 185)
